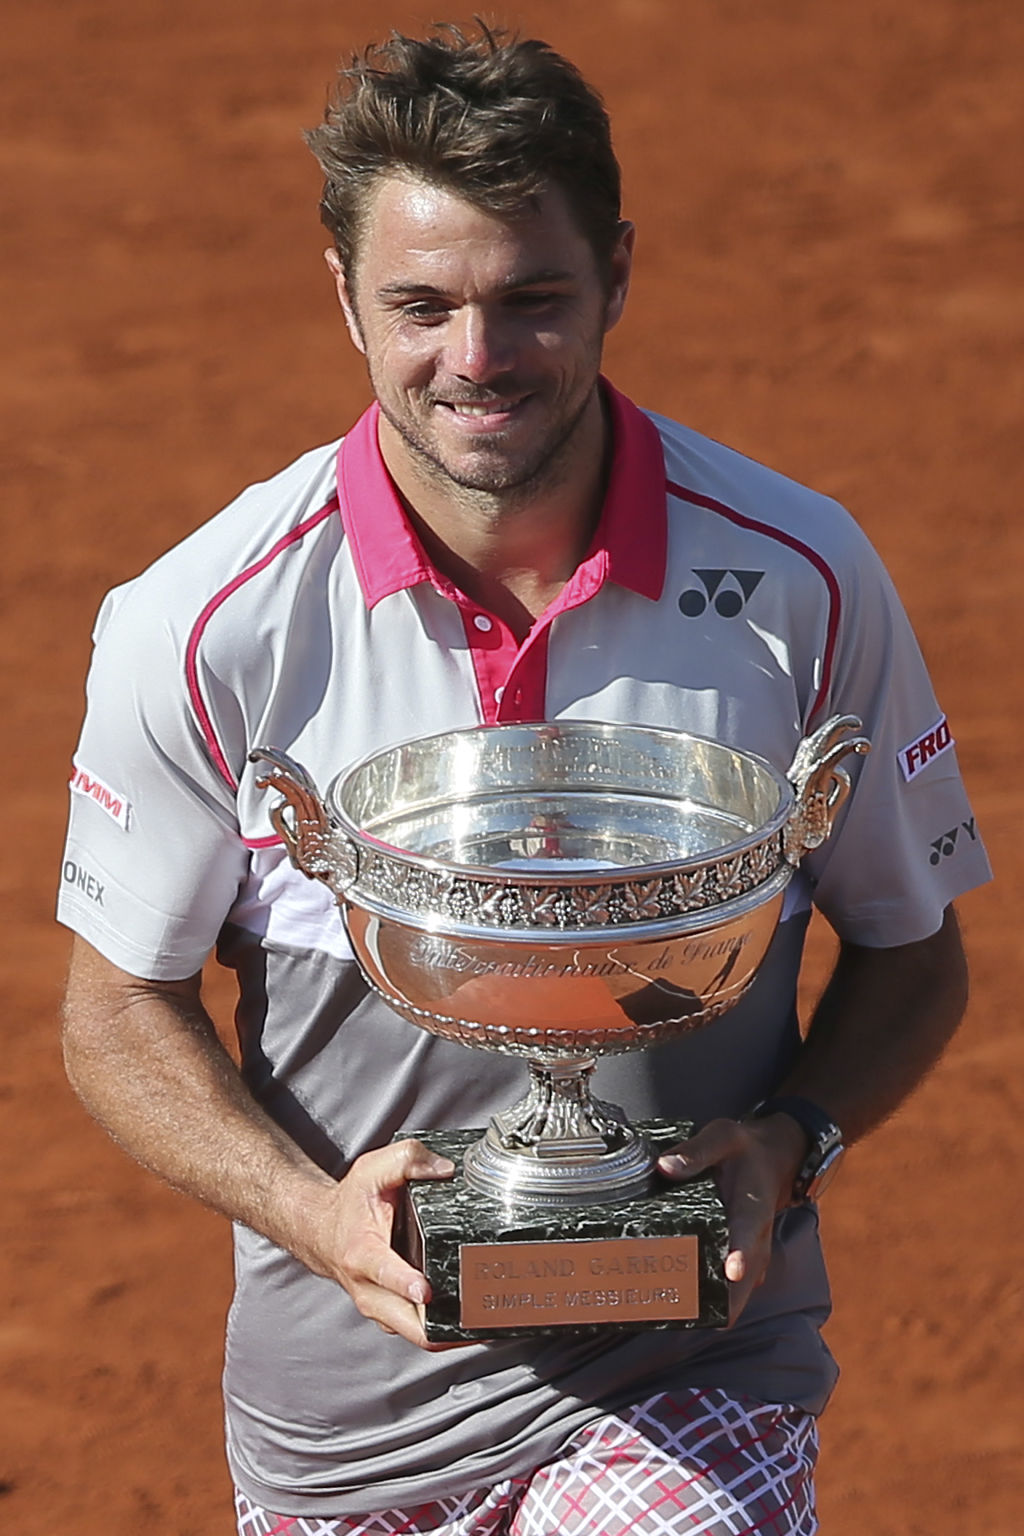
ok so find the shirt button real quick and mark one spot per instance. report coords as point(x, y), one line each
point(499, 694)
point(483, 623)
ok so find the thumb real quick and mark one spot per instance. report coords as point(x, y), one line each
point(390, 1167)
point(709, 1147)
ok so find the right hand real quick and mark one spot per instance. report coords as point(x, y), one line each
point(354, 1244)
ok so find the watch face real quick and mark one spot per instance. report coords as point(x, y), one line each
point(825, 1172)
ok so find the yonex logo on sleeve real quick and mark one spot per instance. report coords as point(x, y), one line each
point(943, 847)
point(76, 875)
point(83, 782)
point(920, 753)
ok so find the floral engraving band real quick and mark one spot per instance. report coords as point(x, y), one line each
point(487, 902)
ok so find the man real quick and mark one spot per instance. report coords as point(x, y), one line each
point(501, 537)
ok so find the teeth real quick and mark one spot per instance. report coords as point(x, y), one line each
point(480, 410)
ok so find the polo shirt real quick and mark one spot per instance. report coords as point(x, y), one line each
point(717, 597)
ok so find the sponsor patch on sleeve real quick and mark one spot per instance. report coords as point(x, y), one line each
point(83, 782)
point(918, 754)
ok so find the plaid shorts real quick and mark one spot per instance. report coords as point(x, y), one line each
point(699, 1463)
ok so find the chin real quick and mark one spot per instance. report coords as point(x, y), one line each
point(495, 475)
point(480, 472)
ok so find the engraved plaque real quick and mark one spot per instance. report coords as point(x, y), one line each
point(605, 1280)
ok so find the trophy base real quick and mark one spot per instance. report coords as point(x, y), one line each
point(500, 1270)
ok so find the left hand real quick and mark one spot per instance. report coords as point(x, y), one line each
point(755, 1163)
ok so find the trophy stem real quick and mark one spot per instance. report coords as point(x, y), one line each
point(557, 1117)
point(558, 1144)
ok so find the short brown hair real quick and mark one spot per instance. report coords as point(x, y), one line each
point(493, 118)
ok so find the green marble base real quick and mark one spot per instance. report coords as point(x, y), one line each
point(653, 1261)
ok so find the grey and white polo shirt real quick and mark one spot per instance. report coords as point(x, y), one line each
point(717, 597)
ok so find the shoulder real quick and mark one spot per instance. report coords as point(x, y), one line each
point(706, 478)
point(227, 554)
point(191, 646)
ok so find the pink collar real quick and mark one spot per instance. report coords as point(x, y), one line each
point(630, 541)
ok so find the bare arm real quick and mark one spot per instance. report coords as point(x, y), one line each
point(144, 1058)
point(883, 1021)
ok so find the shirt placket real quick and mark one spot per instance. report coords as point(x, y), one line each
point(494, 652)
point(512, 678)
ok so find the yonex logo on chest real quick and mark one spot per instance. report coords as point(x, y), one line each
point(725, 590)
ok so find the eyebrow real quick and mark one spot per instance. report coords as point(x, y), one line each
point(552, 275)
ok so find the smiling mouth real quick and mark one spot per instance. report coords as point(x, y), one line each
point(472, 410)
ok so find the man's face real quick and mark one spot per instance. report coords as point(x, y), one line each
point(482, 336)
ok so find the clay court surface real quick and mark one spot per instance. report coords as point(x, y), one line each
point(830, 207)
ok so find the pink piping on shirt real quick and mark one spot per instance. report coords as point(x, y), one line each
point(632, 532)
point(191, 654)
point(697, 499)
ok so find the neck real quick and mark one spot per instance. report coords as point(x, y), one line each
point(512, 551)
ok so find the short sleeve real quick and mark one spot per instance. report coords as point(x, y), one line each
point(906, 844)
point(153, 858)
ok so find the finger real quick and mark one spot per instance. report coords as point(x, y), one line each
point(410, 1326)
point(750, 1247)
point(736, 1266)
point(718, 1140)
point(395, 1316)
point(391, 1166)
point(373, 1268)
point(404, 1319)
point(726, 1147)
point(421, 1162)
point(369, 1196)
point(740, 1290)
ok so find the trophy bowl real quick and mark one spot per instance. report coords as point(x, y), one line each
point(561, 891)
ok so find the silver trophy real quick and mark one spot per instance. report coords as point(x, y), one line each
point(563, 891)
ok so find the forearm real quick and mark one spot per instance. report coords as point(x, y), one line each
point(882, 1023)
point(148, 1065)
point(145, 1059)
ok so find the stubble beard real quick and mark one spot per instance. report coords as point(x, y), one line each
point(495, 486)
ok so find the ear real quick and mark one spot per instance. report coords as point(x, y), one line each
point(621, 267)
point(348, 308)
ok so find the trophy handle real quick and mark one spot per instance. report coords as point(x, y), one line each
point(314, 844)
point(819, 784)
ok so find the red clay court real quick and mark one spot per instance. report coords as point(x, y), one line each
point(831, 214)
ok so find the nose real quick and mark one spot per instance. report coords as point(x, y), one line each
point(477, 345)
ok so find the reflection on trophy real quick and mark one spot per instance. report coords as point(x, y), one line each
point(563, 891)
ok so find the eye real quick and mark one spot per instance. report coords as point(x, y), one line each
point(425, 311)
point(533, 300)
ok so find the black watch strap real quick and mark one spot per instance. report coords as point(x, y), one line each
point(825, 1141)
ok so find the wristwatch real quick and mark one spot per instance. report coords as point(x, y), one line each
point(825, 1150)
